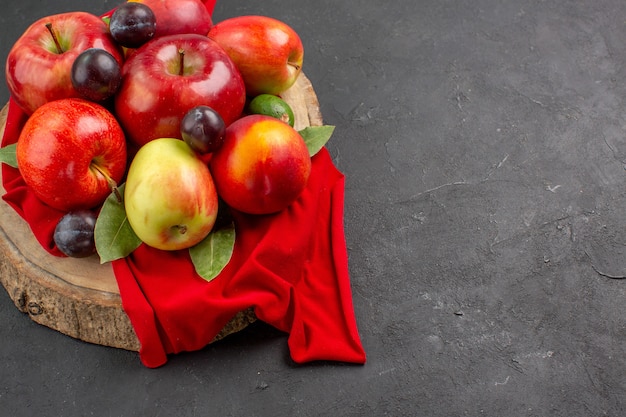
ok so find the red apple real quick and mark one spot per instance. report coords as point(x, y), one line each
point(170, 75)
point(170, 197)
point(71, 153)
point(38, 67)
point(268, 52)
point(176, 17)
point(262, 166)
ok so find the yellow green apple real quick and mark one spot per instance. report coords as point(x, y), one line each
point(170, 198)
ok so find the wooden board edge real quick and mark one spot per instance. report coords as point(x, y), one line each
point(3, 118)
point(71, 313)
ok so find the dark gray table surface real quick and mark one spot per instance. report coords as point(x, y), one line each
point(484, 147)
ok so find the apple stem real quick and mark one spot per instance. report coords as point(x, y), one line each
point(181, 56)
point(110, 181)
point(54, 38)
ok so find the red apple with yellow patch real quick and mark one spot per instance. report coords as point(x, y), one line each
point(268, 52)
point(71, 153)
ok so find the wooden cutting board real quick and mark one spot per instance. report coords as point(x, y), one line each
point(80, 297)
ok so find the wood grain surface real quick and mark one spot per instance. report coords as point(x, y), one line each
point(80, 297)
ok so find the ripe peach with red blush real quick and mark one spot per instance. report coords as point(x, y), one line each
point(262, 166)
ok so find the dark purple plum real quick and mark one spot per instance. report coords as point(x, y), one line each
point(74, 233)
point(96, 74)
point(132, 24)
point(203, 129)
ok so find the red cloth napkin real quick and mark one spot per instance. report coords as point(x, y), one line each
point(210, 5)
point(291, 267)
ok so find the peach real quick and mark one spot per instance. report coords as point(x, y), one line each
point(262, 166)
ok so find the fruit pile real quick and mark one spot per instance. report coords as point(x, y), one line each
point(149, 124)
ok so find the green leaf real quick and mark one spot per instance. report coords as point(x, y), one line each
point(115, 239)
point(316, 137)
point(210, 256)
point(8, 155)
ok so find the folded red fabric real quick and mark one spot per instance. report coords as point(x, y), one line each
point(210, 5)
point(291, 267)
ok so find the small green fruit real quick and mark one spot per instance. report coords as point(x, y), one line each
point(271, 105)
